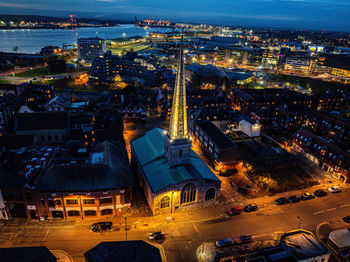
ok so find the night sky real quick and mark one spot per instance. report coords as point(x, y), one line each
point(333, 15)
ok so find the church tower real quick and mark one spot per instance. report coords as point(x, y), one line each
point(177, 144)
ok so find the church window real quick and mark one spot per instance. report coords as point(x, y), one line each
point(188, 194)
point(165, 202)
point(180, 153)
point(210, 194)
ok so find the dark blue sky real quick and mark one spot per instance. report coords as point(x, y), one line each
point(333, 15)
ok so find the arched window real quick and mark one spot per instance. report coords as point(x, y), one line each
point(210, 194)
point(188, 194)
point(165, 202)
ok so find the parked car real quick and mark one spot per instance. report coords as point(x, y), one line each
point(346, 219)
point(281, 201)
point(250, 208)
point(225, 242)
point(244, 239)
point(320, 193)
point(156, 236)
point(234, 211)
point(294, 199)
point(334, 189)
point(307, 196)
point(101, 226)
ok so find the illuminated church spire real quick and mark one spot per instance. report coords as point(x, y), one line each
point(178, 121)
point(177, 145)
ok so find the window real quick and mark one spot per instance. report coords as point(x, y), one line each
point(210, 194)
point(106, 200)
point(73, 213)
point(108, 211)
point(188, 194)
point(89, 201)
point(58, 202)
point(165, 202)
point(72, 201)
point(90, 213)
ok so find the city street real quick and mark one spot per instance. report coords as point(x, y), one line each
point(187, 231)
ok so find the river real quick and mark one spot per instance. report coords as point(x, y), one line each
point(32, 40)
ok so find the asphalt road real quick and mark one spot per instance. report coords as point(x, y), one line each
point(183, 238)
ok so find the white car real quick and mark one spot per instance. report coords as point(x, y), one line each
point(334, 189)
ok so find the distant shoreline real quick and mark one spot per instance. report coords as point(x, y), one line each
point(51, 27)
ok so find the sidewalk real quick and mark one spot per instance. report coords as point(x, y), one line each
point(151, 222)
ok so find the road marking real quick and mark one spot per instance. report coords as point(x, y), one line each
point(331, 209)
point(320, 212)
point(348, 205)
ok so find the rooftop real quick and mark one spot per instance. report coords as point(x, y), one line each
point(41, 121)
point(26, 254)
point(341, 238)
point(149, 151)
point(126, 251)
point(302, 245)
point(215, 134)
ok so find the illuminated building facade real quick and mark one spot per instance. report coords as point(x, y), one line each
point(90, 48)
point(324, 154)
point(173, 176)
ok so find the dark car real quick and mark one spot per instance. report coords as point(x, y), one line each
point(307, 196)
point(346, 219)
point(281, 201)
point(234, 211)
point(156, 235)
point(320, 193)
point(294, 199)
point(243, 240)
point(101, 226)
point(250, 208)
point(225, 242)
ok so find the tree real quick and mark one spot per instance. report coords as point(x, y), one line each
point(55, 64)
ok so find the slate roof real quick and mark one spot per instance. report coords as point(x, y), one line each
point(149, 151)
point(26, 254)
point(215, 134)
point(81, 178)
point(126, 251)
point(41, 121)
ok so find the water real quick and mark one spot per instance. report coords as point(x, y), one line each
point(32, 40)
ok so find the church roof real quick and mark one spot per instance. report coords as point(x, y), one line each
point(149, 151)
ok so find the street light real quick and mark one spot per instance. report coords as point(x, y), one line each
point(300, 219)
point(126, 230)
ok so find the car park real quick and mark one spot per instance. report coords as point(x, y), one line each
point(281, 201)
point(334, 189)
point(234, 211)
point(307, 196)
point(346, 219)
point(101, 226)
point(320, 193)
point(244, 239)
point(294, 199)
point(225, 242)
point(250, 208)
point(156, 235)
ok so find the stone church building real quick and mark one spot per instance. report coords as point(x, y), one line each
point(172, 175)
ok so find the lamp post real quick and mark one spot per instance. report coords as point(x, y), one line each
point(299, 218)
point(81, 208)
point(126, 230)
